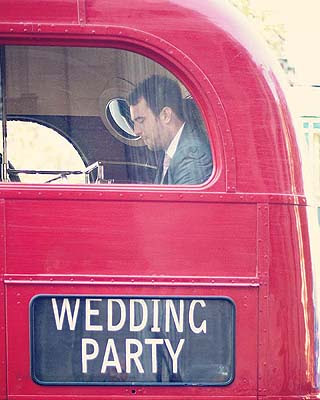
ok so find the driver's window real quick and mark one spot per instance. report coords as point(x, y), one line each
point(106, 116)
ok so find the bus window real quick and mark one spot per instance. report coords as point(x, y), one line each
point(115, 117)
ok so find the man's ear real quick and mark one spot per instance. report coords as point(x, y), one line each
point(166, 115)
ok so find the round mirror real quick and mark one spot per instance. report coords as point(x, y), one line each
point(117, 112)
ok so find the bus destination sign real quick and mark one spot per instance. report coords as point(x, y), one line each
point(77, 340)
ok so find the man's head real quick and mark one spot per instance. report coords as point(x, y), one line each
point(156, 110)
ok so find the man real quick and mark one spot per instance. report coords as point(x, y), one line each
point(156, 109)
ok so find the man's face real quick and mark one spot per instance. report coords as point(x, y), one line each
point(147, 125)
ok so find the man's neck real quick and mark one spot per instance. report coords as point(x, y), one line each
point(174, 129)
point(170, 151)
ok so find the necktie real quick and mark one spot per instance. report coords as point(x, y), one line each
point(166, 163)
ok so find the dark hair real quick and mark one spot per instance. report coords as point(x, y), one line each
point(159, 92)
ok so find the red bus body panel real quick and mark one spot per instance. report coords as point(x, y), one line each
point(243, 235)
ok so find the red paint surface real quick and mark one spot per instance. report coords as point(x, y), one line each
point(239, 236)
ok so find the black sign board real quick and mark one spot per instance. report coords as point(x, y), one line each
point(77, 340)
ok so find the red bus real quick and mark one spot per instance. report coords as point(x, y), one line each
point(154, 233)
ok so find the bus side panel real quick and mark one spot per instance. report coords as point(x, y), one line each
point(291, 337)
point(141, 238)
point(158, 248)
point(40, 11)
point(3, 379)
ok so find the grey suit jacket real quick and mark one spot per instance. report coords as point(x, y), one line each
point(192, 161)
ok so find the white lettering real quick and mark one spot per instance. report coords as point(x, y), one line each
point(89, 312)
point(203, 326)
point(174, 355)
point(111, 348)
point(154, 343)
point(133, 355)
point(178, 321)
point(72, 318)
point(144, 319)
point(88, 356)
point(155, 327)
point(122, 320)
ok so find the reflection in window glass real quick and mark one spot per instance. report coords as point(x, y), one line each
point(121, 118)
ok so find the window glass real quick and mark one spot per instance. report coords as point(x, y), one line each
point(87, 115)
point(39, 150)
point(1, 110)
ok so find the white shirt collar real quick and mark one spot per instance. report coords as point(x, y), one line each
point(174, 143)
